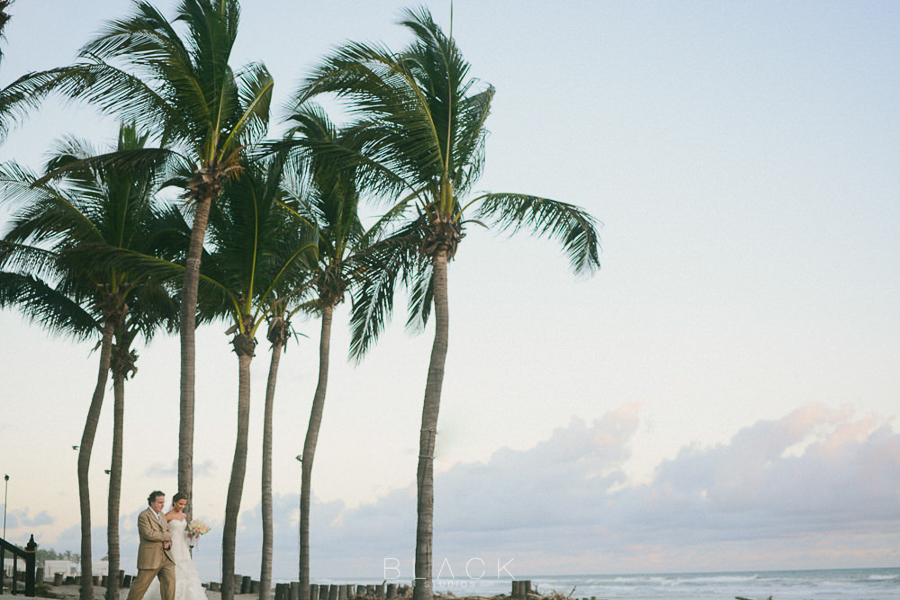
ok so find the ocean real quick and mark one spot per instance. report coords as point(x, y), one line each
point(834, 584)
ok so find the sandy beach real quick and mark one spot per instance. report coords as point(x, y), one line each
point(71, 592)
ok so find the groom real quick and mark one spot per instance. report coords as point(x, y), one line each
point(154, 555)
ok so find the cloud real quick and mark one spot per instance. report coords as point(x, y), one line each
point(23, 518)
point(160, 470)
point(778, 488)
point(844, 480)
point(815, 488)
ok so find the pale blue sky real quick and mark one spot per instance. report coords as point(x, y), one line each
point(743, 158)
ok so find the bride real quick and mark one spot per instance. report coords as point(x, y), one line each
point(187, 580)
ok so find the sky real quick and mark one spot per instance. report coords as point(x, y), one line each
point(722, 394)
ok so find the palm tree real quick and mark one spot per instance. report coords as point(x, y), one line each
point(92, 207)
point(180, 86)
point(282, 306)
point(261, 257)
point(279, 331)
point(329, 199)
point(201, 103)
point(421, 123)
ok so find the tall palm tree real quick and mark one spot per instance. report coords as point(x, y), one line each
point(421, 123)
point(260, 257)
point(173, 78)
point(328, 197)
point(189, 85)
point(279, 330)
point(92, 206)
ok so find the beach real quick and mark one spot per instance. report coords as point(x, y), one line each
point(72, 592)
point(824, 584)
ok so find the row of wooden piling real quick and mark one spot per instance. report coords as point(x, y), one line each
point(244, 584)
point(385, 591)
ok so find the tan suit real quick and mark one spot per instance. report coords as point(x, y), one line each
point(153, 559)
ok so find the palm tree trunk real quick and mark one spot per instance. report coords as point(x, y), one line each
point(430, 408)
point(309, 447)
point(84, 461)
point(265, 571)
point(188, 323)
point(115, 486)
point(238, 470)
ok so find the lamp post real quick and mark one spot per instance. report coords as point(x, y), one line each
point(5, 496)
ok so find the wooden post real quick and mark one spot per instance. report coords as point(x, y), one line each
point(30, 550)
point(313, 591)
point(332, 592)
point(57, 579)
point(254, 588)
point(391, 591)
point(524, 589)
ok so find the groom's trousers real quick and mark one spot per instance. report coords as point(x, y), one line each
point(166, 574)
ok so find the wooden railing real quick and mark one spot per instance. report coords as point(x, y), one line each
point(28, 555)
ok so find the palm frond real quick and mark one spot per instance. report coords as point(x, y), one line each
point(19, 99)
point(121, 160)
point(377, 272)
point(26, 258)
point(42, 213)
point(46, 306)
point(254, 88)
point(565, 223)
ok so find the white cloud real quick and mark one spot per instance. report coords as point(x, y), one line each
point(24, 518)
point(565, 504)
point(201, 469)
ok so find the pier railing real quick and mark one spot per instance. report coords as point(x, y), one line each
point(28, 556)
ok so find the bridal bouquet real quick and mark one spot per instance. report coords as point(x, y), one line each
point(196, 528)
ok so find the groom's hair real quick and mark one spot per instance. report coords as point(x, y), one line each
point(153, 496)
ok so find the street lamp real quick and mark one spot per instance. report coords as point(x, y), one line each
point(5, 496)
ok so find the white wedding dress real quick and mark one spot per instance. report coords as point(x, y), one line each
point(187, 580)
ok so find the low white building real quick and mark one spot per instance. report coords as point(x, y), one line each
point(69, 568)
point(52, 567)
point(66, 567)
